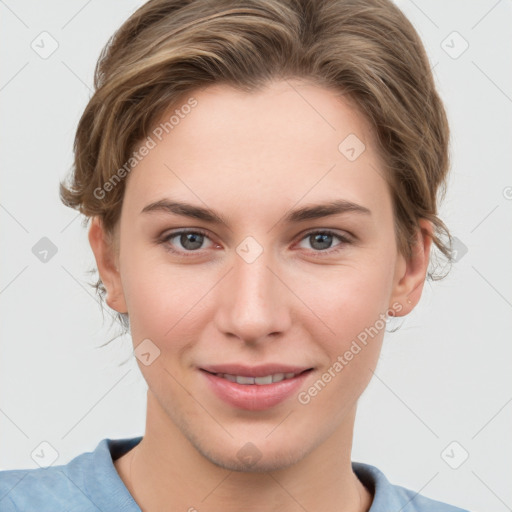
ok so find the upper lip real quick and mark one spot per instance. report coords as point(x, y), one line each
point(254, 371)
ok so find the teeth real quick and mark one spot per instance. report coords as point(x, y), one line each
point(244, 380)
point(268, 379)
point(263, 380)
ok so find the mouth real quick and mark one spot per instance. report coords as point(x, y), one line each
point(247, 380)
point(256, 388)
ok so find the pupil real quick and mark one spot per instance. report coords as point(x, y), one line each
point(191, 237)
point(325, 244)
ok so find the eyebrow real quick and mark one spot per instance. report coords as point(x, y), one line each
point(309, 212)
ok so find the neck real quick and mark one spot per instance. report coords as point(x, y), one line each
point(166, 472)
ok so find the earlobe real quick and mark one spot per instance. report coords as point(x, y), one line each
point(104, 250)
point(410, 274)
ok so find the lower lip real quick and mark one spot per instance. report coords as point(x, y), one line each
point(254, 397)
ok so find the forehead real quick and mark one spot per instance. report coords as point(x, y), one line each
point(286, 141)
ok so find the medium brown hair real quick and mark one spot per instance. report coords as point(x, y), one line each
point(367, 51)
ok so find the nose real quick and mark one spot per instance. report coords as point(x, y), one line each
point(254, 301)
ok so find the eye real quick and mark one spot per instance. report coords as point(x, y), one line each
point(321, 241)
point(190, 241)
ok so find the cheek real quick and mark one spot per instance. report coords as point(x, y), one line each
point(345, 301)
point(354, 310)
point(160, 296)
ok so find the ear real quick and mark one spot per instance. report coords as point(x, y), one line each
point(105, 252)
point(410, 273)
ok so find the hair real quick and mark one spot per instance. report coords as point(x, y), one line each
point(367, 51)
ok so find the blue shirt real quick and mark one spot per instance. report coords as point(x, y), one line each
point(90, 482)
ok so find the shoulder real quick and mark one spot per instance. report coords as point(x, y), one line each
point(42, 489)
point(87, 483)
point(395, 497)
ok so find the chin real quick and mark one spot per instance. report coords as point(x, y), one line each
point(253, 457)
point(268, 462)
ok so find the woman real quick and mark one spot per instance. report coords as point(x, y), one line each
point(261, 178)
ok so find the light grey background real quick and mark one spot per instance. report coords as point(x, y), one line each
point(444, 377)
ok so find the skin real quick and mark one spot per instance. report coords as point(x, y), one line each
point(253, 158)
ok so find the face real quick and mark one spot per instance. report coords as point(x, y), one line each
point(274, 286)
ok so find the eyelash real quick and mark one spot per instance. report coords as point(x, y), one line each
point(343, 239)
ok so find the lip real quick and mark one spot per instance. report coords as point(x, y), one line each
point(254, 397)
